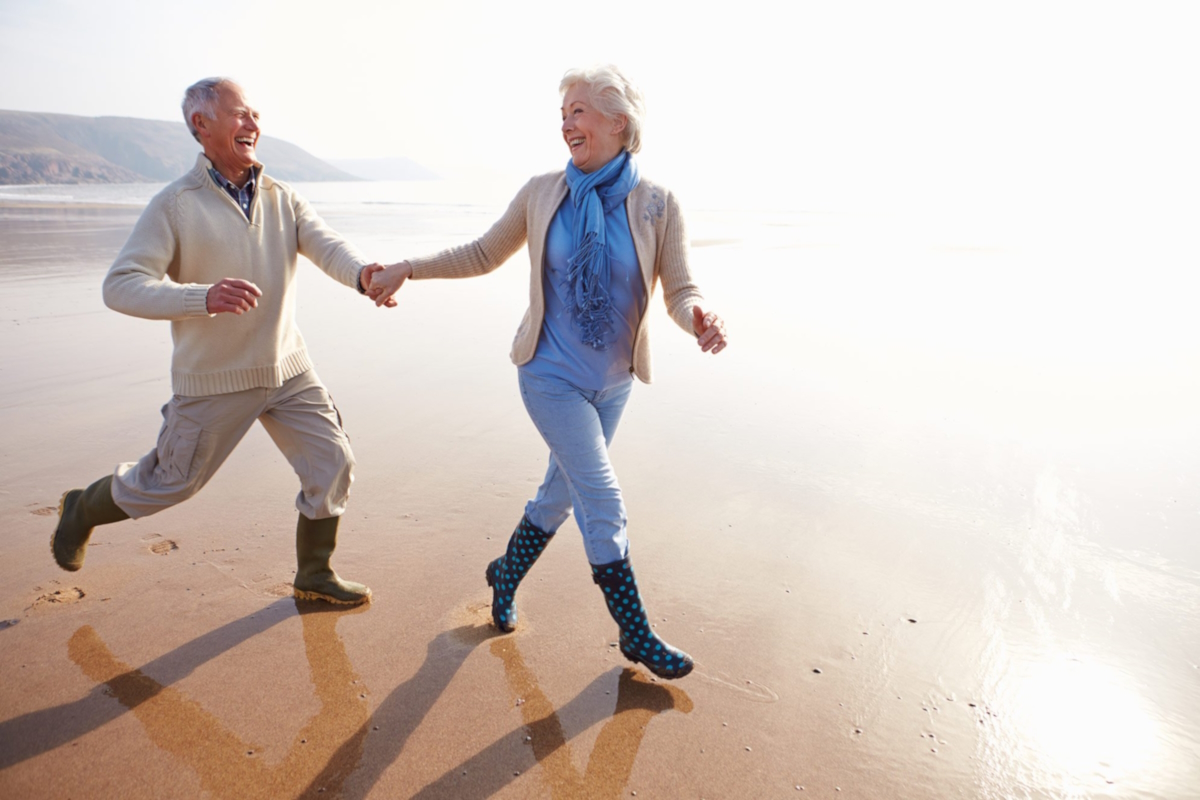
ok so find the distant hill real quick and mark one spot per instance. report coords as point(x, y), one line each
point(59, 148)
point(385, 169)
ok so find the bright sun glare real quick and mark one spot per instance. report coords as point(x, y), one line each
point(1077, 719)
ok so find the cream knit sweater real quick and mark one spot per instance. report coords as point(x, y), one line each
point(193, 234)
point(659, 237)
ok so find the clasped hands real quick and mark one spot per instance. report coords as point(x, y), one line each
point(381, 283)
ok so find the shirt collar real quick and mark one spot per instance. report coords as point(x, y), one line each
point(229, 185)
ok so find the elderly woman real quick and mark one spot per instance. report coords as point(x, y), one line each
point(601, 238)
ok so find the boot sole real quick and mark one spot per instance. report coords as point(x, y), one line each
point(62, 504)
point(303, 594)
point(679, 673)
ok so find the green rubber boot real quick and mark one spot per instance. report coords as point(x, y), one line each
point(79, 511)
point(315, 579)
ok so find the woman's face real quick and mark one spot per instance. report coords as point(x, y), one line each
point(592, 138)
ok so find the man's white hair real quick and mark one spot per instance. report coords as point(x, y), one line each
point(203, 96)
point(612, 95)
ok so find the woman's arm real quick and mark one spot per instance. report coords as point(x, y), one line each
point(464, 261)
point(680, 292)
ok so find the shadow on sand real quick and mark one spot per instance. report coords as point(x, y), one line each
point(344, 749)
point(38, 732)
point(611, 761)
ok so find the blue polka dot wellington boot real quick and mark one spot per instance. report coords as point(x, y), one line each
point(639, 643)
point(505, 573)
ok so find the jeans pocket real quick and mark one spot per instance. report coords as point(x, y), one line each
point(177, 444)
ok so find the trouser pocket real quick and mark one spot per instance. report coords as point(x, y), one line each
point(178, 442)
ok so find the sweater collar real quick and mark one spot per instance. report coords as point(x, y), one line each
point(203, 165)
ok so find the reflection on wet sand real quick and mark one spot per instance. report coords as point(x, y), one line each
point(403, 710)
point(611, 762)
point(225, 764)
point(638, 701)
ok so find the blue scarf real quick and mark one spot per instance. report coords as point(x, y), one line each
point(594, 195)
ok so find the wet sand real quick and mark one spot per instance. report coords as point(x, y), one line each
point(898, 579)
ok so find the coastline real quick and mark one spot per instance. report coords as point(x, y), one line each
point(64, 206)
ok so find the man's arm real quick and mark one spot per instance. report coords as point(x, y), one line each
point(137, 283)
point(325, 247)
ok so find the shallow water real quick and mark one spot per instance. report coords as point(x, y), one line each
point(952, 468)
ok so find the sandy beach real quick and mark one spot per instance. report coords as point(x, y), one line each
point(917, 551)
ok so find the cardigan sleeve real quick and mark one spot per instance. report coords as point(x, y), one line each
point(324, 246)
point(484, 254)
point(680, 292)
point(139, 284)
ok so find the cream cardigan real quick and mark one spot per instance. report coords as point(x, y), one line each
point(191, 235)
point(659, 237)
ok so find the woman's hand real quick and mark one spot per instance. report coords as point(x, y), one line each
point(383, 282)
point(710, 329)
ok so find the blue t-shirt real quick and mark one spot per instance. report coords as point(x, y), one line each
point(560, 351)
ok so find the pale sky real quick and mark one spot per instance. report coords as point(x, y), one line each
point(750, 103)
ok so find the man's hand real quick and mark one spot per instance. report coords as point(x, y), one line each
point(710, 329)
point(386, 281)
point(232, 295)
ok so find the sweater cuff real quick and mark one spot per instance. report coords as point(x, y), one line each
point(195, 300)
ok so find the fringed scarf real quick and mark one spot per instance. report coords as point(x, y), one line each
point(595, 194)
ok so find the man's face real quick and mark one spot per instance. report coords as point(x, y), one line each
point(230, 139)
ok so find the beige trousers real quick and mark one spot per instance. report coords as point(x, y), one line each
point(199, 433)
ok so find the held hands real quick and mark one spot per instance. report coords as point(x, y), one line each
point(364, 280)
point(233, 296)
point(383, 282)
point(710, 329)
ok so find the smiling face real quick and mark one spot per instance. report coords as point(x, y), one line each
point(593, 138)
point(231, 137)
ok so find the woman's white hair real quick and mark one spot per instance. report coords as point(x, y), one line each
point(612, 95)
point(202, 96)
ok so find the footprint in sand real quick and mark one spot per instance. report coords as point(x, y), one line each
point(476, 614)
point(278, 590)
point(163, 547)
point(60, 597)
point(45, 511)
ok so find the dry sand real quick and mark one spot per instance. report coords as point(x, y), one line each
point(882, 602)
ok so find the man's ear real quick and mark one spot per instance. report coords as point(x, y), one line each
point(200, 124)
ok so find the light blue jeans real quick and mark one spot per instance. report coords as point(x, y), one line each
point(578, 426)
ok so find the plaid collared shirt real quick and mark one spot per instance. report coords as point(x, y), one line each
point(242, 195)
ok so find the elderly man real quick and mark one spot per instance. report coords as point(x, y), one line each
point(238, 355)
